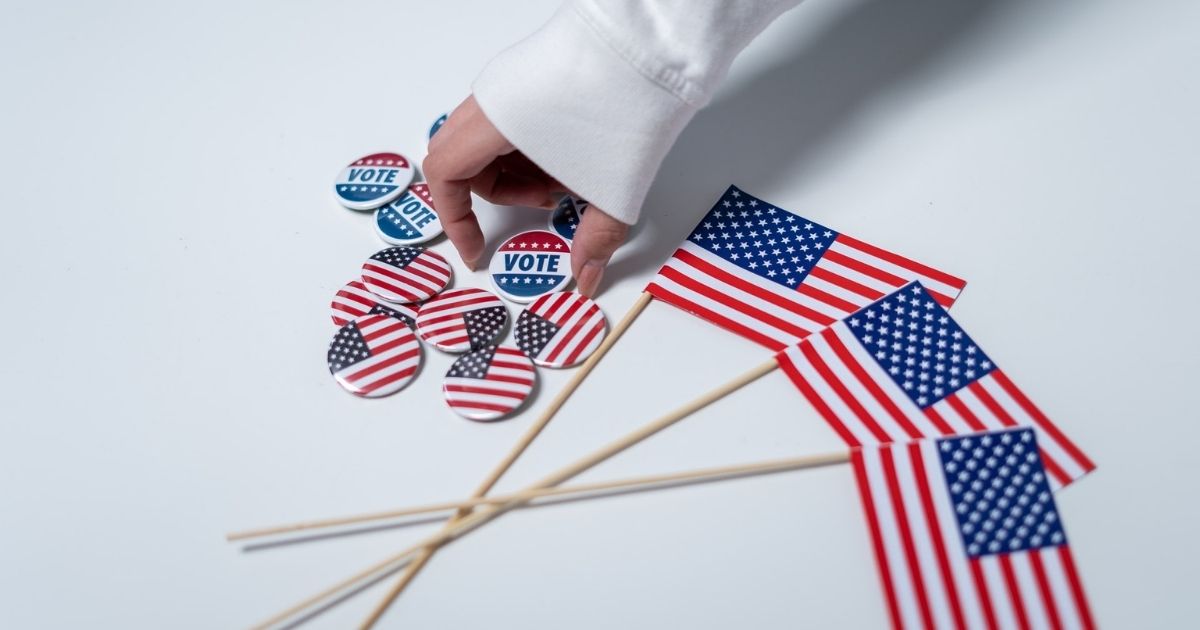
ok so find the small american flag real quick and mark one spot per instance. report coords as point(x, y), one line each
point(560, 329)
point(461, 319)
point(902, 369)
point(775, 277)
point(966, 534)
point(406, 274)
point(354, 300)
point(374, 355)
point(488, 383)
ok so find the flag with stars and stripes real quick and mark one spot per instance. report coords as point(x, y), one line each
point(406, 274)
point(354, 300)
point(560, 329)
point(374, 355)
point(966, 534)
point(489, 383)
point(902, 369)
point(775, 277)
point(461, 319)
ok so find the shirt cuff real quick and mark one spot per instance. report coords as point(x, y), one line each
point(580, 111)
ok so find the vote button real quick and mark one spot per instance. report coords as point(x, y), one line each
point(410, 219)
point(531, 264)
point(373, 180)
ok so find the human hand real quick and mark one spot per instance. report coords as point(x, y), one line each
point(467, 155)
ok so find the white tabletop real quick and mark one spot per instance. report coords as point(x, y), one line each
point(171, 245)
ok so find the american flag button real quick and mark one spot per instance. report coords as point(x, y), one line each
point(437, 125)
point(374, 355)
point(565, 218)
point(410, 219)
point(531, 264)
point(404, 275)
point(461, 320)
point(354, 300)
point(373, 180)
point(560, 329)
point(489, 383)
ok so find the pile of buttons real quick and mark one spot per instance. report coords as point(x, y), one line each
point(401, 301)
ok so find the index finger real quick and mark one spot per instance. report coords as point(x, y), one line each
point(464, 147)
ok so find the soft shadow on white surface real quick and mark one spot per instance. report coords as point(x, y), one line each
point(782, 118)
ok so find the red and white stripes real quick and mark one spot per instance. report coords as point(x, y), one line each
point(929, 579)
point(580, 323)
point(423, 277)
point(848, 276)
point(864, 405)
point(488, 384)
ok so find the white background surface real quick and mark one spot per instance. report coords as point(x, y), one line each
point(170, 246)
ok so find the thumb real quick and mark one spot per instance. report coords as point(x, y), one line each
point(596, 238)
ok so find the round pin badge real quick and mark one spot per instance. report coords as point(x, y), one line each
point(560, 329)
point(531, 264)
point(354, 300)
point(489, 383)
point(437, 125)
point(406, 274)
point(565, 218)
point(461, 319)
point(374, 355)
point(373, 180)
point(410, 219)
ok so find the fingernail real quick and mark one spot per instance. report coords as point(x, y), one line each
point(589, 277)
point(471, 264)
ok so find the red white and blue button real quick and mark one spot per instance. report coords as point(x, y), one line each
point(404, 275)
point(531, 264)
point(354, 300)
point(565, 218)
point(461, 319)
point(437, 125)
point(489, 383)
point(560, 329)
point(410, 219)
point(374, 355)
point(373, 180)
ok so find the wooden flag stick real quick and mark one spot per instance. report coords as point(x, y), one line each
point(717, 473)
point(476, 519)
point(410, 572)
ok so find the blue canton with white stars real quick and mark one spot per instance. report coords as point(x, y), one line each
point(917, 343)
point(397, 256)
point(770, 242)
point(565, 218)
point(1000, 494)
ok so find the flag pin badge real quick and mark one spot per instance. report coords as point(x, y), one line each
point(560, 329)
point(374, 355)
point(531, 264)
point(437, 125)
point(354, 300)
point(406, 274)
point(410, 219)
point(373, 180)
point(565, 218)
point(489, 383)
point(461, 319)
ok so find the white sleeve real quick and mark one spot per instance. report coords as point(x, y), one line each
point(598, 95)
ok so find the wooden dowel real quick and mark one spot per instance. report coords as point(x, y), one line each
point(410, 572)
point(498, 471)
point(476, 519)
point(525, 496)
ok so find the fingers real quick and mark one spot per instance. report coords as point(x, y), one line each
point(506, 188)
point(464, 147)
point(596, 238)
